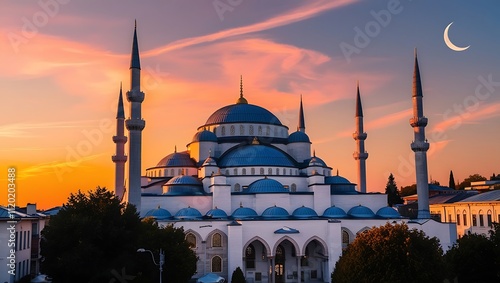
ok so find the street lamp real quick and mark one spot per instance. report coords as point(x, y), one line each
point(162, 259)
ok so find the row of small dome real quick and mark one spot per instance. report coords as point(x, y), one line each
point(274, 212)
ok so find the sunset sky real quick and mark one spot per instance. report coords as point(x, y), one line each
point(63, 61)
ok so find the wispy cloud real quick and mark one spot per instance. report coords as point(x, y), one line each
point(24, 130)
point(469, 117)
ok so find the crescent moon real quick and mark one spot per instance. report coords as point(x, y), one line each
point(449, 43)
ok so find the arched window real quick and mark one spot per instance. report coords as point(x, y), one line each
point(216, 240)
point(223, 131)
point(277, 171)
point(251, 130)
point(243, 171)
point(261, 171)
point(172, 172)
point(253, 171)
point(268, 131)
point(216, 264)
point(275, 131)
point(235, 171)
point(294, 188)
point(250, 256)
point(227, 172)
point(489, 220)
point(464, 218)
point(232, 130)
point(260, 131)
point(191, 239)
point(345, 239)
point(237, 187)
point(242, 130)
point(269, 171)
point(481, 218)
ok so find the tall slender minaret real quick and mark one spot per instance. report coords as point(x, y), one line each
point(420, 144)
point(135, 125)
point(120, 158)
point(360, 155)
point(302, 122)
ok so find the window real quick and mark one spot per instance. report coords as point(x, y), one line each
point(216, 264)
point(253, 171)
point(227, 172)
point(464, 218)
point(250, 256)
point(345, 239)
point(242, 130)
point(261, 171)
point(449, 217)
point(237, 187)
point(488, 219)
point(277, 171)
point(251, 130)
point(191, 239)
point(260, 131)
point(29, 239)
point(481, 220)
point(17, 245)
point(269, 171)
point(216, 240)
point(294, 188)
point(24, 240)
point(232, 130)
point(458, 219)
point(268, 131)
point(223, 131)
point(172, 172)
point(243, 171)
point(235, 171)
point(474, 220)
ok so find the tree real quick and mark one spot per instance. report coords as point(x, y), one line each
point(409, 190)
point(391, 189)
point(391, 253)
point(451, 182)
point(237, 276)
point(473, 259)
point(472, 178)
point(90, 237)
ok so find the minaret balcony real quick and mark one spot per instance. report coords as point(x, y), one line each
point(119, 139)
point(419, 146)
point(360, 155)
point(119, 158)
point(358, 136)
point(418, 121)
point(135, 96)
point(135, 124)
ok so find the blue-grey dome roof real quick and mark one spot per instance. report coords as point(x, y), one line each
point(388, 212)
point(216, 213)
point(184, 185)
point(304, 212)
point(244, 212)
point(266, 186)
point(316, 161)
point(158, 213)
point(204, 135)
point(255, 155)
point(298, 137)
point(242, 113)
point(334, 212)
point(188, 213)
point(177, 159)
point(337, 180)
point(275, 212)
point(361, 211)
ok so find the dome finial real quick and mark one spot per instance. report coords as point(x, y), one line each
point(175, 148)
point(241, 204)
point(337, 172)
point(255, 140)
point(241, 100)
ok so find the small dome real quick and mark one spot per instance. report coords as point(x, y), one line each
point(244, 212)
point(316, 161)
point(275, 212)
point(209, 162)
point(304, 212)
point(158, 213)
point(266, 186)
point(388, 212)
point(298, 137)
point(361, 211)
point(334, 212)
point(337, 180)
point(204, 136)
point(188, 213)
point(184, 185)
point(177, 159)
point(216, 213)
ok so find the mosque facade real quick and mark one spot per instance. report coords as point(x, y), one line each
point(250, 193)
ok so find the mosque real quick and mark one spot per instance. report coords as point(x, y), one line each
point(250, 193)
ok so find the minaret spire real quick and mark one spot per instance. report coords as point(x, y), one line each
point(120, 158)
point(241, 99)
point(420, 144)
point(302, 122)
point(135, 124)
point(360, 155)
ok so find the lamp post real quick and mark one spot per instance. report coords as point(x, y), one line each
point(160, 264)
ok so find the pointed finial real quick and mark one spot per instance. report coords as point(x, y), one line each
point(135, 62)
point(241, 99)
point(337, 172)
point(302, 121)
point(120, 114)
point(359, 108)
point(314, 153)
point(135, 23)
point(241, 204)
point(175, 148)
point(417, 85)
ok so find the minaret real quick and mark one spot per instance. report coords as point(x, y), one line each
point(360, 155)
point(420, 145)
point(135, 125)
point(120, 158)
point(302, 123)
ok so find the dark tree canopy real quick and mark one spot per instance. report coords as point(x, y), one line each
point(472, 178)
point(451, 181)
point(391, 253)
point(238, 276)
point(409, 190)
point(391, 189)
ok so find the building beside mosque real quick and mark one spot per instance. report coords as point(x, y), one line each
point(250, 193)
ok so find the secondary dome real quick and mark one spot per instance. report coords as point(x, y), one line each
point(275, 212)
point(266, 186)
point(184, 185)
point(388, 212)
point(242, 113)
point(334, 212)
point(298, 137)
point(216, 213)
point(177, 159)
point(304, 212)
point(361, 211)
point(255, 155)
point(204, 135)
point(244, 212)
point(158, 213)
point(188, 213)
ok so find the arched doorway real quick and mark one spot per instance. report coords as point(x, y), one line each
point(279, 265)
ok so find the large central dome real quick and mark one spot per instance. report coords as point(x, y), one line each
point(242, 113)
